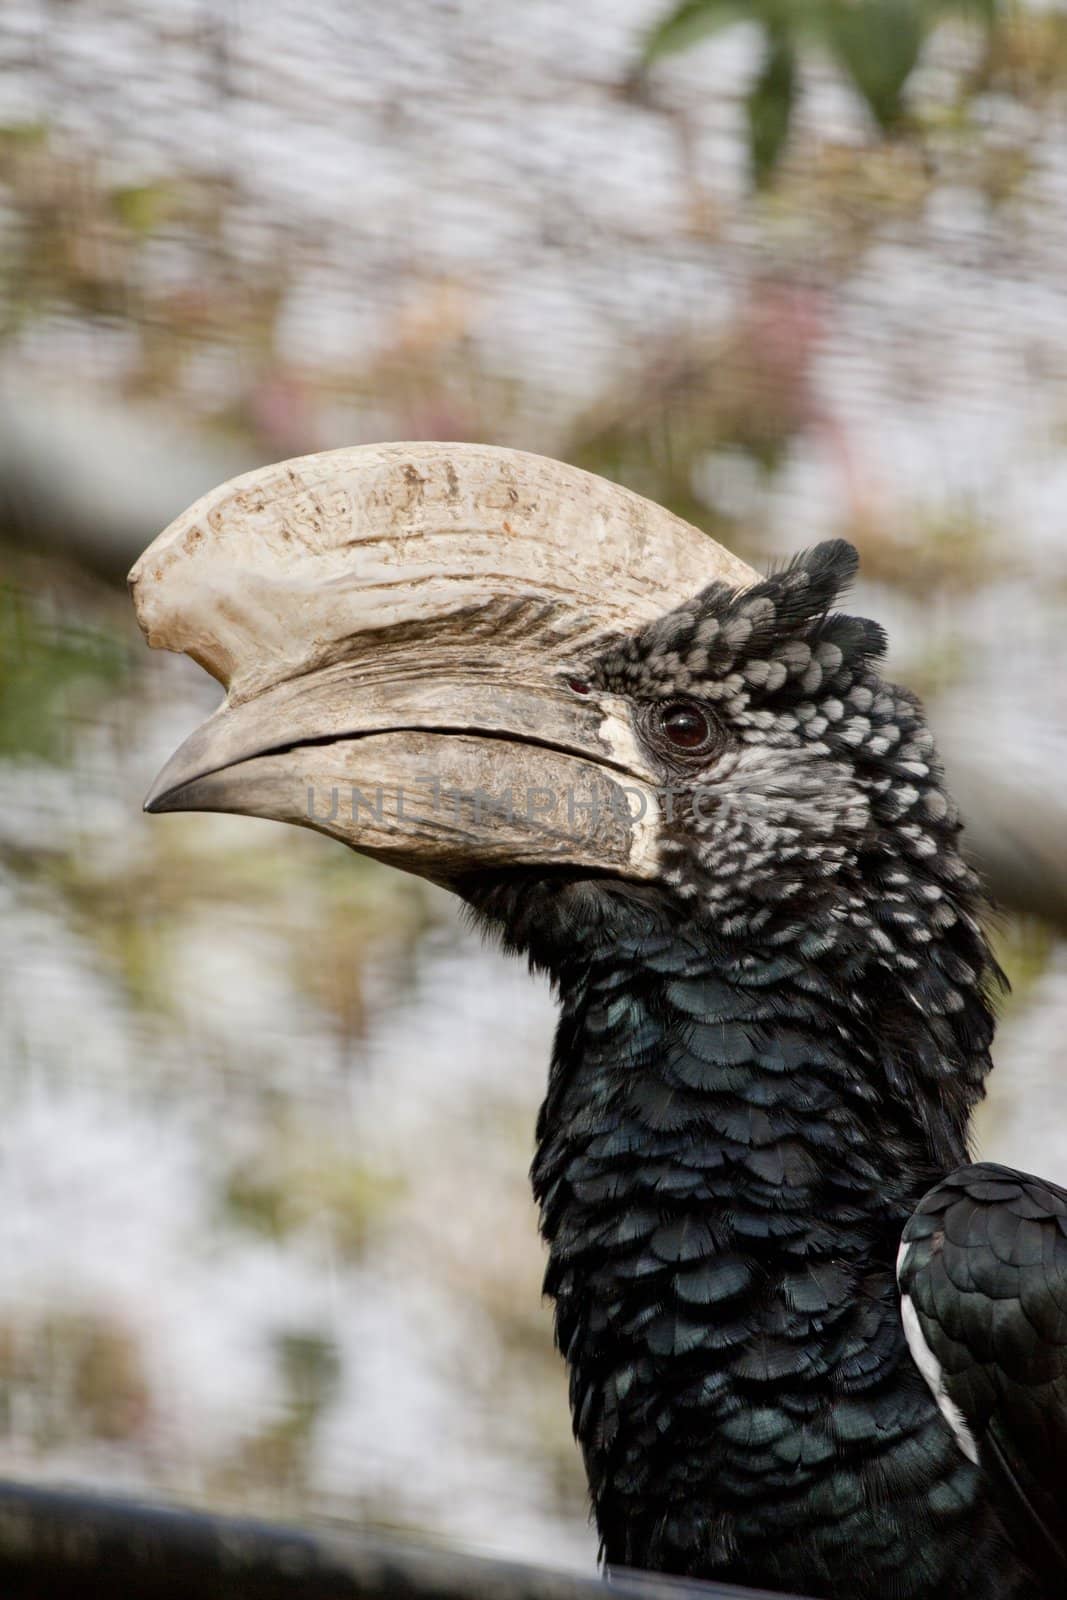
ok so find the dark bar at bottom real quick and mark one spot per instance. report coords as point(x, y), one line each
point(58, 1544)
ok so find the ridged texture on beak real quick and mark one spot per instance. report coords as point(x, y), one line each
point(284, 569)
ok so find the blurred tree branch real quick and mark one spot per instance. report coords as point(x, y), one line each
point(69, 1545)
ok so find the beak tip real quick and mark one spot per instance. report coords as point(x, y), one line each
point(162, 796)
point(169, 789)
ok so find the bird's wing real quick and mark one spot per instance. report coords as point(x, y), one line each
point(983, 1281)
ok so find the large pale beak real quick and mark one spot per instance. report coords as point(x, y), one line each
point(398, 629)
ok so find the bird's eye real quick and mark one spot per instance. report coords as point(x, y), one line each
point(683, 725)
point(578, 685)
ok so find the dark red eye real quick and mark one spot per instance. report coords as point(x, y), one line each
point(685, 725)
point(578, 685)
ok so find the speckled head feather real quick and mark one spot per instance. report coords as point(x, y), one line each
point(825, 779)
point(759, 649)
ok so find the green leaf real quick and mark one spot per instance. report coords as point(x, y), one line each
point(142, 207)
point(984, 11)
point(769, 105)
point(24, 135)
point(877, 42)
point(691, 21)
point(43, 666)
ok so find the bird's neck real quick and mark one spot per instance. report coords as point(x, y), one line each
point(728, 1150)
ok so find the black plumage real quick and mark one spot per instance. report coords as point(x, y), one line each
point(984, 1264)
point(764, 1061)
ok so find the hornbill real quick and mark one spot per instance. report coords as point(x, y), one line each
point(684, 792)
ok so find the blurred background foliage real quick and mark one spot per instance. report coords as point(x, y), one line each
point(793, 269)
point(875, 44)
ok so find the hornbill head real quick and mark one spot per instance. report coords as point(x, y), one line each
point(406, 635)
point(527, 684)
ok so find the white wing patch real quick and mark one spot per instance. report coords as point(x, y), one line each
point(930, 1368)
